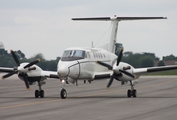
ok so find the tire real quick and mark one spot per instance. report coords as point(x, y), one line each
point(42, 93)
point(36, 93)
point(134, 92)
point(129, 93)
point(63, 93)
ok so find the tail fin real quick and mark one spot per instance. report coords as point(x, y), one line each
point(115, 20)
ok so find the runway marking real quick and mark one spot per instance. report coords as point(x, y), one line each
point(49, 101)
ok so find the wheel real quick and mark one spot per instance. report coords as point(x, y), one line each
point(134, 93)
point(63, 93)
point(89, 81)
point(129, 93)
point(84, 81)
point(42, 93)
point(36, 93)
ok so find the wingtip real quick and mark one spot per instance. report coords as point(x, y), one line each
point(2, 78)
point(107, 88)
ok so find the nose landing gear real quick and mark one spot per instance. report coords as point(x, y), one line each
point(63, 93)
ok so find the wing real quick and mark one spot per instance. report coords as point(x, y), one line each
point(154, 69)
point(49, 74)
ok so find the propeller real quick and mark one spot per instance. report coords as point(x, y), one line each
point(21, 69)
point(117, 64)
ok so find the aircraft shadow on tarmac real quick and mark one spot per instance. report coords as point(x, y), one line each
point(90, 97)
point(124, 97)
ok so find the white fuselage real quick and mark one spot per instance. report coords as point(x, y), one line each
point(73, 68)
point(85, 67)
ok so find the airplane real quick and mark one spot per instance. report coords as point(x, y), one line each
point(80, 63)
point(84, 63)
point(29, 73)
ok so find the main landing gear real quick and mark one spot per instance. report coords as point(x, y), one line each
point(132, 92)
point(40, 92)
point(89, 81)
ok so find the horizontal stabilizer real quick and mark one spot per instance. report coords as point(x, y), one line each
point(119, 18)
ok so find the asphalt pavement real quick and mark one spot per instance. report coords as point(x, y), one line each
point(156, 100)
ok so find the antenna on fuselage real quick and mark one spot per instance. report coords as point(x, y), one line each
point(114, 21)
point(92, 45)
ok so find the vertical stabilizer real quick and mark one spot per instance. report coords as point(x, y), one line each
point(113, 37)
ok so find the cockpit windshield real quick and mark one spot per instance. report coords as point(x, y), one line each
point(70, 55)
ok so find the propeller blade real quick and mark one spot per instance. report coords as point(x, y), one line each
point(9, 74)
point(128, 74)
point(32, 63)
point(7, 70)
point(26, 81)
point(105, 65)
point(15, 57)
point(120, 56)
point(110, 81)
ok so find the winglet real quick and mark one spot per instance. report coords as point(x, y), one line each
point(28, 88)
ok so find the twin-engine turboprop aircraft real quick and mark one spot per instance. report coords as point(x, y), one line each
point(86, 64)
point(98, 63)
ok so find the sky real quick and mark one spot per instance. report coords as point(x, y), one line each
point(45, 26)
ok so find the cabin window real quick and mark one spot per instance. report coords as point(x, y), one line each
point(78, 53)
point(88, 54)
point(94, 54)
point(101, 55)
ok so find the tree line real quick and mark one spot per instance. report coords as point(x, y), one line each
point(145, 59)
point(6, 60)
point(137, 60)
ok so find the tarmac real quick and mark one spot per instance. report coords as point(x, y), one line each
point(156, 100)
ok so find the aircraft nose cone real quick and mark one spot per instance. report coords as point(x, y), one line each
point(63, 71)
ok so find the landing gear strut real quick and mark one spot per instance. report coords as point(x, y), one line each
point(63, 93)
point(131, 92)
point(40, 92)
